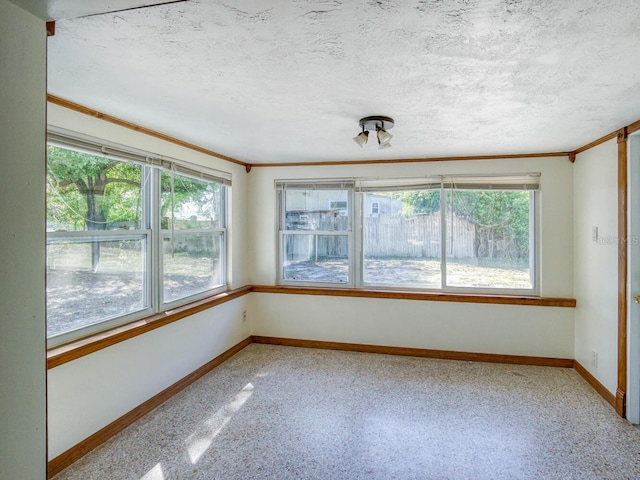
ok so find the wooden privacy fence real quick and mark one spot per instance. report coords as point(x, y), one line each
point(300, 248)
point(417, 236)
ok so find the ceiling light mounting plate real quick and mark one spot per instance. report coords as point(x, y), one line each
point(375, 122)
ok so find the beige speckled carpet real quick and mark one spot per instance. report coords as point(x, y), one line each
point(282, 413)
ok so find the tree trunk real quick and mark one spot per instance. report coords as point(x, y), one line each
point(95, 219)
point(476, 241)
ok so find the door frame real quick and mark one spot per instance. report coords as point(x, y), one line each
point(623, 261)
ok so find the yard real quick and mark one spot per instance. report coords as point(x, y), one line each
point(421, 272)
point(78, 296)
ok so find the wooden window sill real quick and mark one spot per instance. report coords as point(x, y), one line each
point(425, 296)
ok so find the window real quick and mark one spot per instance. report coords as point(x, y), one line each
point(108, 211)
point(452, 233)
point(192, 236)
point(489, 243)
point(402, 247)
point(315, 241)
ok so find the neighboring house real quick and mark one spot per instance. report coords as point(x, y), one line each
point(375, 205)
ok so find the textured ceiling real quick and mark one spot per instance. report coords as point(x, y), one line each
point(59, 9)
point(288, 80)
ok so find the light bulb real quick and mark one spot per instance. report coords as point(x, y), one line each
point(361, 138)
point(384, 137)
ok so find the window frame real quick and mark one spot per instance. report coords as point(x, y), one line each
point(534, 259)
point(222, 231)
point(150, 191)
point(360, 265)
point(339, 184)
point(358, 207)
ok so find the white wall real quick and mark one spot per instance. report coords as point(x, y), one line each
point(536, 331)
point(22, 325)
point(91, 392)
point(462, 327)
point(595, 198)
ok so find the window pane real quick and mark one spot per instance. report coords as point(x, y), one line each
point(192, 263)
point(191, 256)
point(401, 238)
point(324, 210)
point(316, 258)
point(193, 204)
point(88, 192)
point(92, 281)
point(488, 239)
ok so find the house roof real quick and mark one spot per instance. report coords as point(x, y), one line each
point(287, 81)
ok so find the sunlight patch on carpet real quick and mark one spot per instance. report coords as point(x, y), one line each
point(200, 441)
point(155, 473)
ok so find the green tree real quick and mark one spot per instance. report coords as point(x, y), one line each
point(90, 191)
point(500, 217)
point(109, 189)
point(190, 197)
point(419, 201)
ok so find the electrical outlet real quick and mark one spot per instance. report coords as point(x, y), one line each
point(244, 315)
point(594, 358)
point(594, 234)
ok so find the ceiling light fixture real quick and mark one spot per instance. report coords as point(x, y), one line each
point(378, 123)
